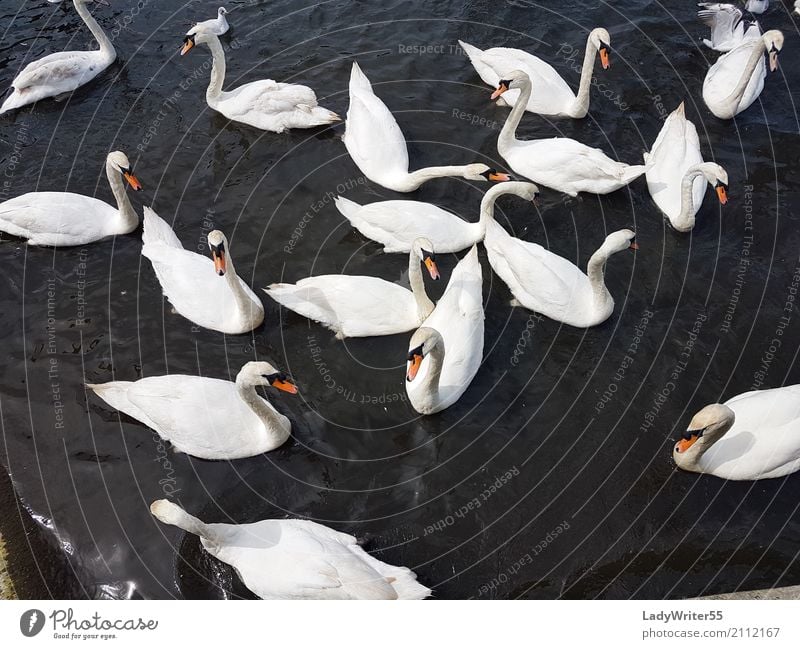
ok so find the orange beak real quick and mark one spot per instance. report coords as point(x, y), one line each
point(685, 444)
point(605, 60)
point(187, 45)
point(722, 194)
point(133, 181)
point(497, 177)
point(285, 386)
point(433, 270)
point(503, 87)
point(633, 246)
point(219, 262)
point(413, 367)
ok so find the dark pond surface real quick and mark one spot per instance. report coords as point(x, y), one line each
point(589, 502)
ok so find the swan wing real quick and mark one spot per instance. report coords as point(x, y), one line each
point(372, 136)
point(676, 149)
point(57, 218)
point(551, 93)
point(62, 71)
point(725, 21)
point(396, 224)
point(351, 304)
point(157, 230)
point(541, 280)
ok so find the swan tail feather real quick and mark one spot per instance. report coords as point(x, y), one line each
point(157, 230)
point(348, 209)
point(358, 80)
point(403, 580)
point(471, 51)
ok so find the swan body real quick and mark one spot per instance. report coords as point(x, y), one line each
point(676, 156)
point(378, 147)
point(207, 418)
point(61, 72)
point(209, 293)
point(67, 219)
point(446, 352)
point(559, 163)
point(217, 26)
point(753, 436)
point(553, 96)
point(265, 104)
point(394, 223)
point(356, 306)
point(736, 80)
point(296, 559)
point(549, 284)
point(725, 21)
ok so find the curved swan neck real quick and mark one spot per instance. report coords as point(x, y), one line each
point(129, 220)
point(595, 270)
point(580, 106)
point(243, 302)
point(692, 459)
point(508, 135)
point(274, 427)
point(755, 58)
point(430, 384)
point(685, 220)
point(415, 178)
point(214, 89)
point(424, 304)
point(100, 36)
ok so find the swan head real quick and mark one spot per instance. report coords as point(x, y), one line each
point(423, 248)
point(168, 512)
point(262, 373)
point(773, 40)
point(515, 79)
point(218, 244)
point(619, 241)
point(119, 162)
point(481, 173)
point(423, 342)
point(222, 11)
point(195, 36)
point(706, 427)
point(717, 177)
point(601, 39)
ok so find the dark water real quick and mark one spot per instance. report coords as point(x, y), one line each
point(534, 485)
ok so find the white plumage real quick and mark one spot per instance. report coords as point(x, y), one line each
point(297, 559)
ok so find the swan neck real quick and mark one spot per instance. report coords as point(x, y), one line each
point(756, 57)
point(487, 207)
point(194, 525)
point(243, 303)
point(420, 176)
point(274, 428)
point(685, 220)
point(430, 384)
point(595, 270)
point(580, 107)
point(128, 217)
point(217, 68)
point(508, 135)
point(424, 304)
point(100, 36)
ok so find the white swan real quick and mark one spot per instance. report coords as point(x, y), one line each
point(393, 223)
point(725, 21)
point(217, 26)
point(549, 284)
point(755, 435)
point(356, 306)
point(67, 219)
point(736, 80)
point(676, 174)
point(559, 163)
point(207, 418)
point(446, 352)
point(265, 104)
point(378, 147)
point(553, 95)
point(296, 559)
point(62, 72)
point(191, 283)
